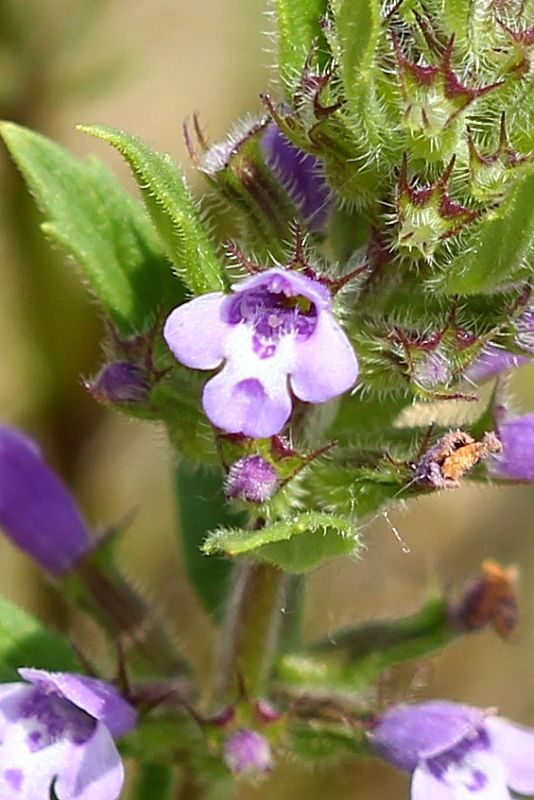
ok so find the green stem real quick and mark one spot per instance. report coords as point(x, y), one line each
point(123, 613)
point(251, 628)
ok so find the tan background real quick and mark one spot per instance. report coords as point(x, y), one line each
point(208, 56)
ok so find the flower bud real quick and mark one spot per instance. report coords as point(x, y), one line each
point(36, 511)
point(252, 479)
point(299, 173)
point(120, 383)
point(491, 362)
point(488, 599)
point(248, 753)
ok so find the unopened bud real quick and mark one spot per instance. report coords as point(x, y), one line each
point(252, 479)
point(488, 599)
point(248, 753)
point(120, 383)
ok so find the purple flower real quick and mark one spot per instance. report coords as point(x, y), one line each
point(252, 479)
point(517, 458)
point(492, 361)
point(58, 730)
point(247, 752)
point(276, 325)
point(300, 173)
point(36, 511)
point(456, 752)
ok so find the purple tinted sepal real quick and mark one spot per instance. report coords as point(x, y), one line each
point(120, 383)
point(456, 751)
point(275, 333)
point(248, 753)
point(36, 511)
point(251, 479)
point(300, 174)
point(517, 458)
point(55, 731)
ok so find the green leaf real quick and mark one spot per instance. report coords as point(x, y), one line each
point(202, 506)
point(298, 28)
point(358, 28)
point(26, 642)
point(105, 230)
point(500, 248)
point(296, 545)
point(172, 208)
point(154, 782)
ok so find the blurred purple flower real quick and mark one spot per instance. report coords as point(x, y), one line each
point(247, 752)
point(456, 752)
point(299, 173)
point(276, 325)
point(252, 479)
point(58, 730)
point(121, 383)
point(517, 458)
point(36, 511)
point(492, 361)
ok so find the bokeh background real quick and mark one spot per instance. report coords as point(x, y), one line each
point(145, 67)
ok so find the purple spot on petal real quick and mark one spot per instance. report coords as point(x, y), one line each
point(57, 716)
point(478, 781)
point(15, 778)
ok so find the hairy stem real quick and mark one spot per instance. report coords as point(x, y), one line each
point(251, 628)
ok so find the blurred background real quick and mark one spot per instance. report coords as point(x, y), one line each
point(145, 67)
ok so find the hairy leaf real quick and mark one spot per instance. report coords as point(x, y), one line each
point(93, 218)
point(172, 208)
point(296, 545)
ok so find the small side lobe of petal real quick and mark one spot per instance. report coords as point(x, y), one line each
point(195, 332)
point(514, 744)
point(325, 365)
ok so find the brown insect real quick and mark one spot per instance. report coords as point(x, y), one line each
point(490, 599)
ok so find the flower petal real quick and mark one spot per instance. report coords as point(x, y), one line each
point(24, 775)
point(247, 405)
point(196, 331)
point(92, 771)
point(99, 699)
point(325, 364)
point(514, 744)
point(482, 777)
point(250, 395)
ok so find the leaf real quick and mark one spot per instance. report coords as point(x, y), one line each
point(172, 209)
point(201, 506)
point(498, 251)
point(358, 28)
point(26, 642)
point(298, 28)
point(92, 217)
point(154, 782)
point(296, 545)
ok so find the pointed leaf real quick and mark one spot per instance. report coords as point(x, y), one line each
point(172, 208)
point(501, 248)
point(298, 28)
point(92, 217)
point(25, 641)
point(296, 545)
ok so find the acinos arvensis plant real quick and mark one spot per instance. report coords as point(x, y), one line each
point(381, 254)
